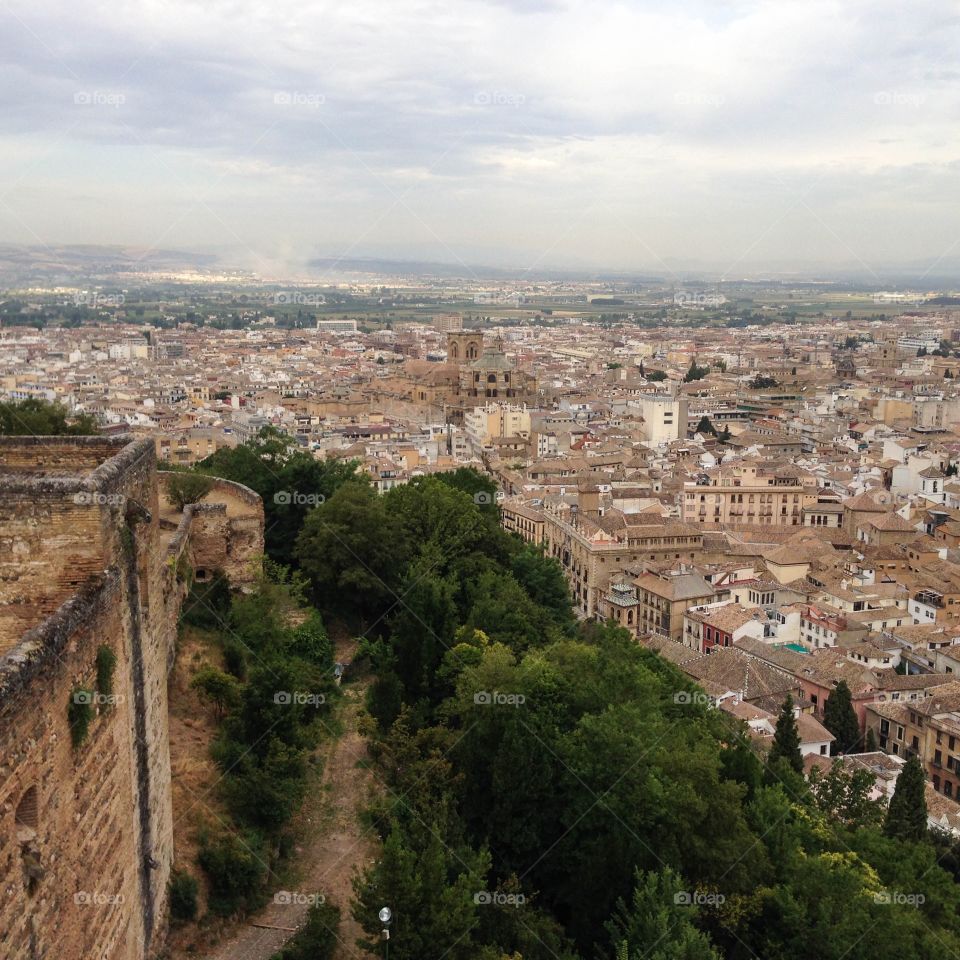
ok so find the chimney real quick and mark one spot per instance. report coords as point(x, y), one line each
point(588, 499)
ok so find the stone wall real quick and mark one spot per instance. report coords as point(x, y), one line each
point(84, 865)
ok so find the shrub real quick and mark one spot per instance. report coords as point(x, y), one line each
point(79, 714)
point(317, 938)
point(236, 866)
point(235, 659)
point(186, 488)
point(183, 896)
point(106, 664)
point(208, 604)
point(216, 687)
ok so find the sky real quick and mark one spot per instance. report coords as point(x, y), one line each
point(735, 137)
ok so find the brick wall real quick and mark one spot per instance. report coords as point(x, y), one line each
point(84, 872)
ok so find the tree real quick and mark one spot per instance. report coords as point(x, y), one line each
point(187, 488)
point(871, 744)
point(659, 922)
point(786, 739)
point(42, 419)
point(695, 373)
point(656, 376)
point(353, 549)
point(845, 797)
point(907, 813)
point(433, 895)
point(216, 687)
point(705, 426)
point(761, 382)
point(840, 719)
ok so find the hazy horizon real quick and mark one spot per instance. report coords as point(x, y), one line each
point(733, 139)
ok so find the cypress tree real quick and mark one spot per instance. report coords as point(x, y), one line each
point(705, 426)
point(840, 719)
point(907, 813)
point(871, 744)
point(786, 740)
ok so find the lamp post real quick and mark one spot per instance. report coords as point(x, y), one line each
point(386, 916)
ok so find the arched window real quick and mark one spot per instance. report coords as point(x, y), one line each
point(27, 817)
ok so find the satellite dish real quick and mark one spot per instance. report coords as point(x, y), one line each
point(385, 915)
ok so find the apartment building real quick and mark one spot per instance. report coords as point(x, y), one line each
point(747, 493)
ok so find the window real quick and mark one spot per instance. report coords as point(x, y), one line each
point(27, 816)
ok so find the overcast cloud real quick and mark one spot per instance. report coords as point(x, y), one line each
point(739, 136)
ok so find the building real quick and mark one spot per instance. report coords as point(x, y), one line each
point(483, 425)
point(663, 599)
point(747, 493)
point(665, 416)
point(337, 326)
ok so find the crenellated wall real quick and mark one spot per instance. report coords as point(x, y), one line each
point(86, 563)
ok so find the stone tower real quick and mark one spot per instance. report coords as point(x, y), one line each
point(464, 346)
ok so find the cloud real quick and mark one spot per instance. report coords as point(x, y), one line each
point(707, 126)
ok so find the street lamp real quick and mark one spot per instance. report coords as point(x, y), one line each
point(385, 915)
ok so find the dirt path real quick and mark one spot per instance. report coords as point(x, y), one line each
point(328, 861)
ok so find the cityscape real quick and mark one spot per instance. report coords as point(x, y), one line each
point(479, 481)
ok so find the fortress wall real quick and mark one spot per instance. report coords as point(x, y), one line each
point(85, 900)
point(91, 880)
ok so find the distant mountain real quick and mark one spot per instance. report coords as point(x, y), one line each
point(70, 263)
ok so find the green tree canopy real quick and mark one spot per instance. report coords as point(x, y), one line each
point(41, 418)
point(786, 739)
point(907, 813)
point(840, 719)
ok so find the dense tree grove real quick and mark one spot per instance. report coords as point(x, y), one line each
point(550, 795)
point(289, 479)
point(272, 701)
